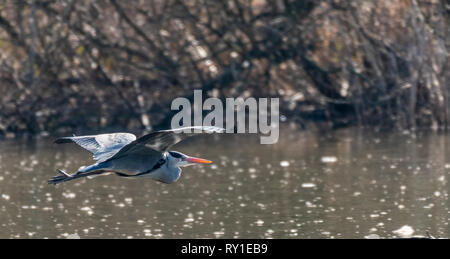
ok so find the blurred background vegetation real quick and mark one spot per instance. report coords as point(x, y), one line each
point(70, 66)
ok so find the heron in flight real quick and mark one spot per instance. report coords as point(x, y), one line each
point(126, 156)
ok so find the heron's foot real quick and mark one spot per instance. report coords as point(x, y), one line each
point(61, 178)
point(64, 173)
point(67, 177)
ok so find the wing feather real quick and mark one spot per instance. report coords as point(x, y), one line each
point(161, 141)
point(102, 146)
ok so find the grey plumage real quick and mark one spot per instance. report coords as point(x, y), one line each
point(128, 156)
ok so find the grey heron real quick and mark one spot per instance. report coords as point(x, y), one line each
point(128, 156)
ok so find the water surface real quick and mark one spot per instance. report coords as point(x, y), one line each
point(349, 183)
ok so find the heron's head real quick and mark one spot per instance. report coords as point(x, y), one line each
point(180, 159)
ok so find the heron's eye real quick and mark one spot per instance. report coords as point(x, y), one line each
point(175, 154)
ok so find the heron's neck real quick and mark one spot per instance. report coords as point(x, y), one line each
point(171, 174)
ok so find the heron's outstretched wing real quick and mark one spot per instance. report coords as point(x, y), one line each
point(162, 140)
point(102, 146)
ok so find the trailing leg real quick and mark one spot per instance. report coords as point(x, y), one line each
point(64, 177)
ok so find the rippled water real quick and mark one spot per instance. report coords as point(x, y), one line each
point(342, 184)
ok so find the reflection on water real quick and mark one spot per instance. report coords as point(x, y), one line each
point(344, 184)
